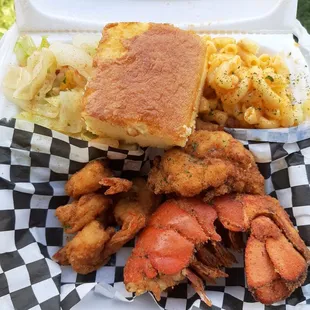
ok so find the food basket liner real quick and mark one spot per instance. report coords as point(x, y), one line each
point(281, 135)
point(35, 163)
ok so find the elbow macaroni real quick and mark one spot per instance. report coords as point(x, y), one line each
point(253, 89)
point(249, 46)
point(225, 77)
point(230, 49)
point(252, 116)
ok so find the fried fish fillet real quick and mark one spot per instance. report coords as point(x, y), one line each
point(147, 84)
point(212, 163)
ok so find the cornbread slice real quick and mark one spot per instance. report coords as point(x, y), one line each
point(147, 84)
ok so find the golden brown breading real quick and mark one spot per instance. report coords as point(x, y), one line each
point(202, 125)
point(116, 185)
point(79, 213)
point(87, 179)
point(147, 84)
point(211, 162)
point(61, 257)
point(84, 251)
point(93, 245)
point(132, 212)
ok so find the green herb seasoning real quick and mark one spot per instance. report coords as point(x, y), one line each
point(270, 78)
point(194, 146)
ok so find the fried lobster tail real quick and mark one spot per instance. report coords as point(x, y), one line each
point(276, 258)
point(164, 252)
point(181, 241)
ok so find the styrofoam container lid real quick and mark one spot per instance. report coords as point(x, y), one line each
point(277, 16)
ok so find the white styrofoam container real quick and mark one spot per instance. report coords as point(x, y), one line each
point(270, 22)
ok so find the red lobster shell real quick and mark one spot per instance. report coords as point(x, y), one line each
point(181, 241)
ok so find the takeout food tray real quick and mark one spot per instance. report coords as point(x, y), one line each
point(35, 162)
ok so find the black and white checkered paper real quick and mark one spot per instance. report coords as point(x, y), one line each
point(35, 163)
point(279, 135)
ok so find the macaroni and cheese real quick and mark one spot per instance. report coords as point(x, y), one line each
point(251, 89)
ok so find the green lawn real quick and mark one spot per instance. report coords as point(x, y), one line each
point(303, 13)
point(7, 15)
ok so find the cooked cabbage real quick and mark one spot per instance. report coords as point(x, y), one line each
point(44, 43)
point(87, 135)
point(69, 55)
point(24, 47)
point(37, 76)
point(88, 42)
point(71, 107)
point(23, 104)
point(46, 107)
point(38, 119)
point(68, 119)
point(37, 89)
point(46, 86)
point(12, 77)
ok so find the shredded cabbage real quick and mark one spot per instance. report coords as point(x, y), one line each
point(88, 42)
point(28, 86)
point(69, 55)
point(30, 79)
point(23, 104)
point(48, 97)
point(46, 86)
point(68, 120)
point(71, 106)
point(46, 107)
point(44, 43)
point(87, 135)
point(38, 119)
point(24, 47)
point(12, 77)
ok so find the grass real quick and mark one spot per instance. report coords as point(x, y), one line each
point(303, 13)
point(7, 15)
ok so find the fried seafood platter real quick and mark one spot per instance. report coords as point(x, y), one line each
point(101, 202)
point(198, 205)
point(181, 241)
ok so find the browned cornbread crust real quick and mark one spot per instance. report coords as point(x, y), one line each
point(153, 89)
